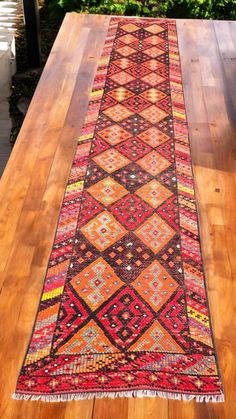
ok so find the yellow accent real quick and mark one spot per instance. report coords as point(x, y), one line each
point(85, 137)
point(96, 93)
point(52, 294)
point(201, 318)
point(180, 115)
point(33, 357)
point(185, 189)
point(76, 185)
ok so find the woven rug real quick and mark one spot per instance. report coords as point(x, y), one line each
point(124, 308)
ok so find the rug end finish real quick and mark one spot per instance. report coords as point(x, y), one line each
point(55, 398)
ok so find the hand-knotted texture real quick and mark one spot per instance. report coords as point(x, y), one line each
point(124, 307)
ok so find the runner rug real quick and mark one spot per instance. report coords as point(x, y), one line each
point(124, 308)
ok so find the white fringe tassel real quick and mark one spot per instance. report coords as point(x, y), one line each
point(133, 393)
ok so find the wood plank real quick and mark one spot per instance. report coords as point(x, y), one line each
point(42, 207)
point(214, 170)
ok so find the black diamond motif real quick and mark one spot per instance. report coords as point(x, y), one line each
point(128, 257)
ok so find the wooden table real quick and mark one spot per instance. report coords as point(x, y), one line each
point(33, 184)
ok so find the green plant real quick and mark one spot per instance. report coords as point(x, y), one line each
point(206, 9)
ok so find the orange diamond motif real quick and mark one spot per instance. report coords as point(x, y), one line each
point(120, 93)
point(122, 77)
point(153, 64)
point(153, 137)
point(90, 339)
point(118, 112)
point(155, 29)
point(111, 160)
point(96, 283)
point(156, 339)
point(123, 63)
point(128, 39)
point(154, 40)
point(107, 191)
point(103, 230)
point(114, 134)
point(155, 233)
point(154, 52)
point(154, 193)
point(154, 163)
point(130, 27)
point(153, 114)
point(153, 79)
point(126, 51)
point(153, 95)
point(155, 285)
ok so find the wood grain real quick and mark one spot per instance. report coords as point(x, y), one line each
point(32, 188)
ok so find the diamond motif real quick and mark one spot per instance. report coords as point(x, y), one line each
point(122, 77)
point(137, 71)
point(155, 29)
point(129, 256)
point(154, 193)
point(111, 160)
point(94, 174)
point(137, 86)
point(154, 40)
point(123, 63)
point(96, 283)
point(173, 316)
point(130, 27)
point(107, 102)
point(153, 114)
point(170, 258)
point(132, 176)
point(133, 148)
point(135, 124)
point(103, 230)
point(114, 134)
point(156, 339)
point(125, 317)
point(98, 146)
point(125, 51)
point(120, 93)
point(136, 103)
point(89, 208)
point(155, 285)
point(107, 191)
point(153, 79)
point(153, 163)
point(83, 253)
point(153, 64)
point(153, 95)
point(154, 52)
point(127, 39)
point(155, 233)
point(131, 211)
point(72, 315)
point(87, 340)
point(118, 112)
point(169, 211)
point(153, 136)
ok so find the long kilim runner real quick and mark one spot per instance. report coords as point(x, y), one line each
point(124, 308)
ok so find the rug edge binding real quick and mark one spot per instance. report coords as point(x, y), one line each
point(55, 398)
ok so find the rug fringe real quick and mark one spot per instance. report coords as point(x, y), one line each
point(133, 393)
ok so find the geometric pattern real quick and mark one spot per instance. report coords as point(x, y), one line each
point(154, 193)
point(124, 304)
point(103, 230)
point(155, 233)
point(96, 282)
point(107, 191)
point(154, 163)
